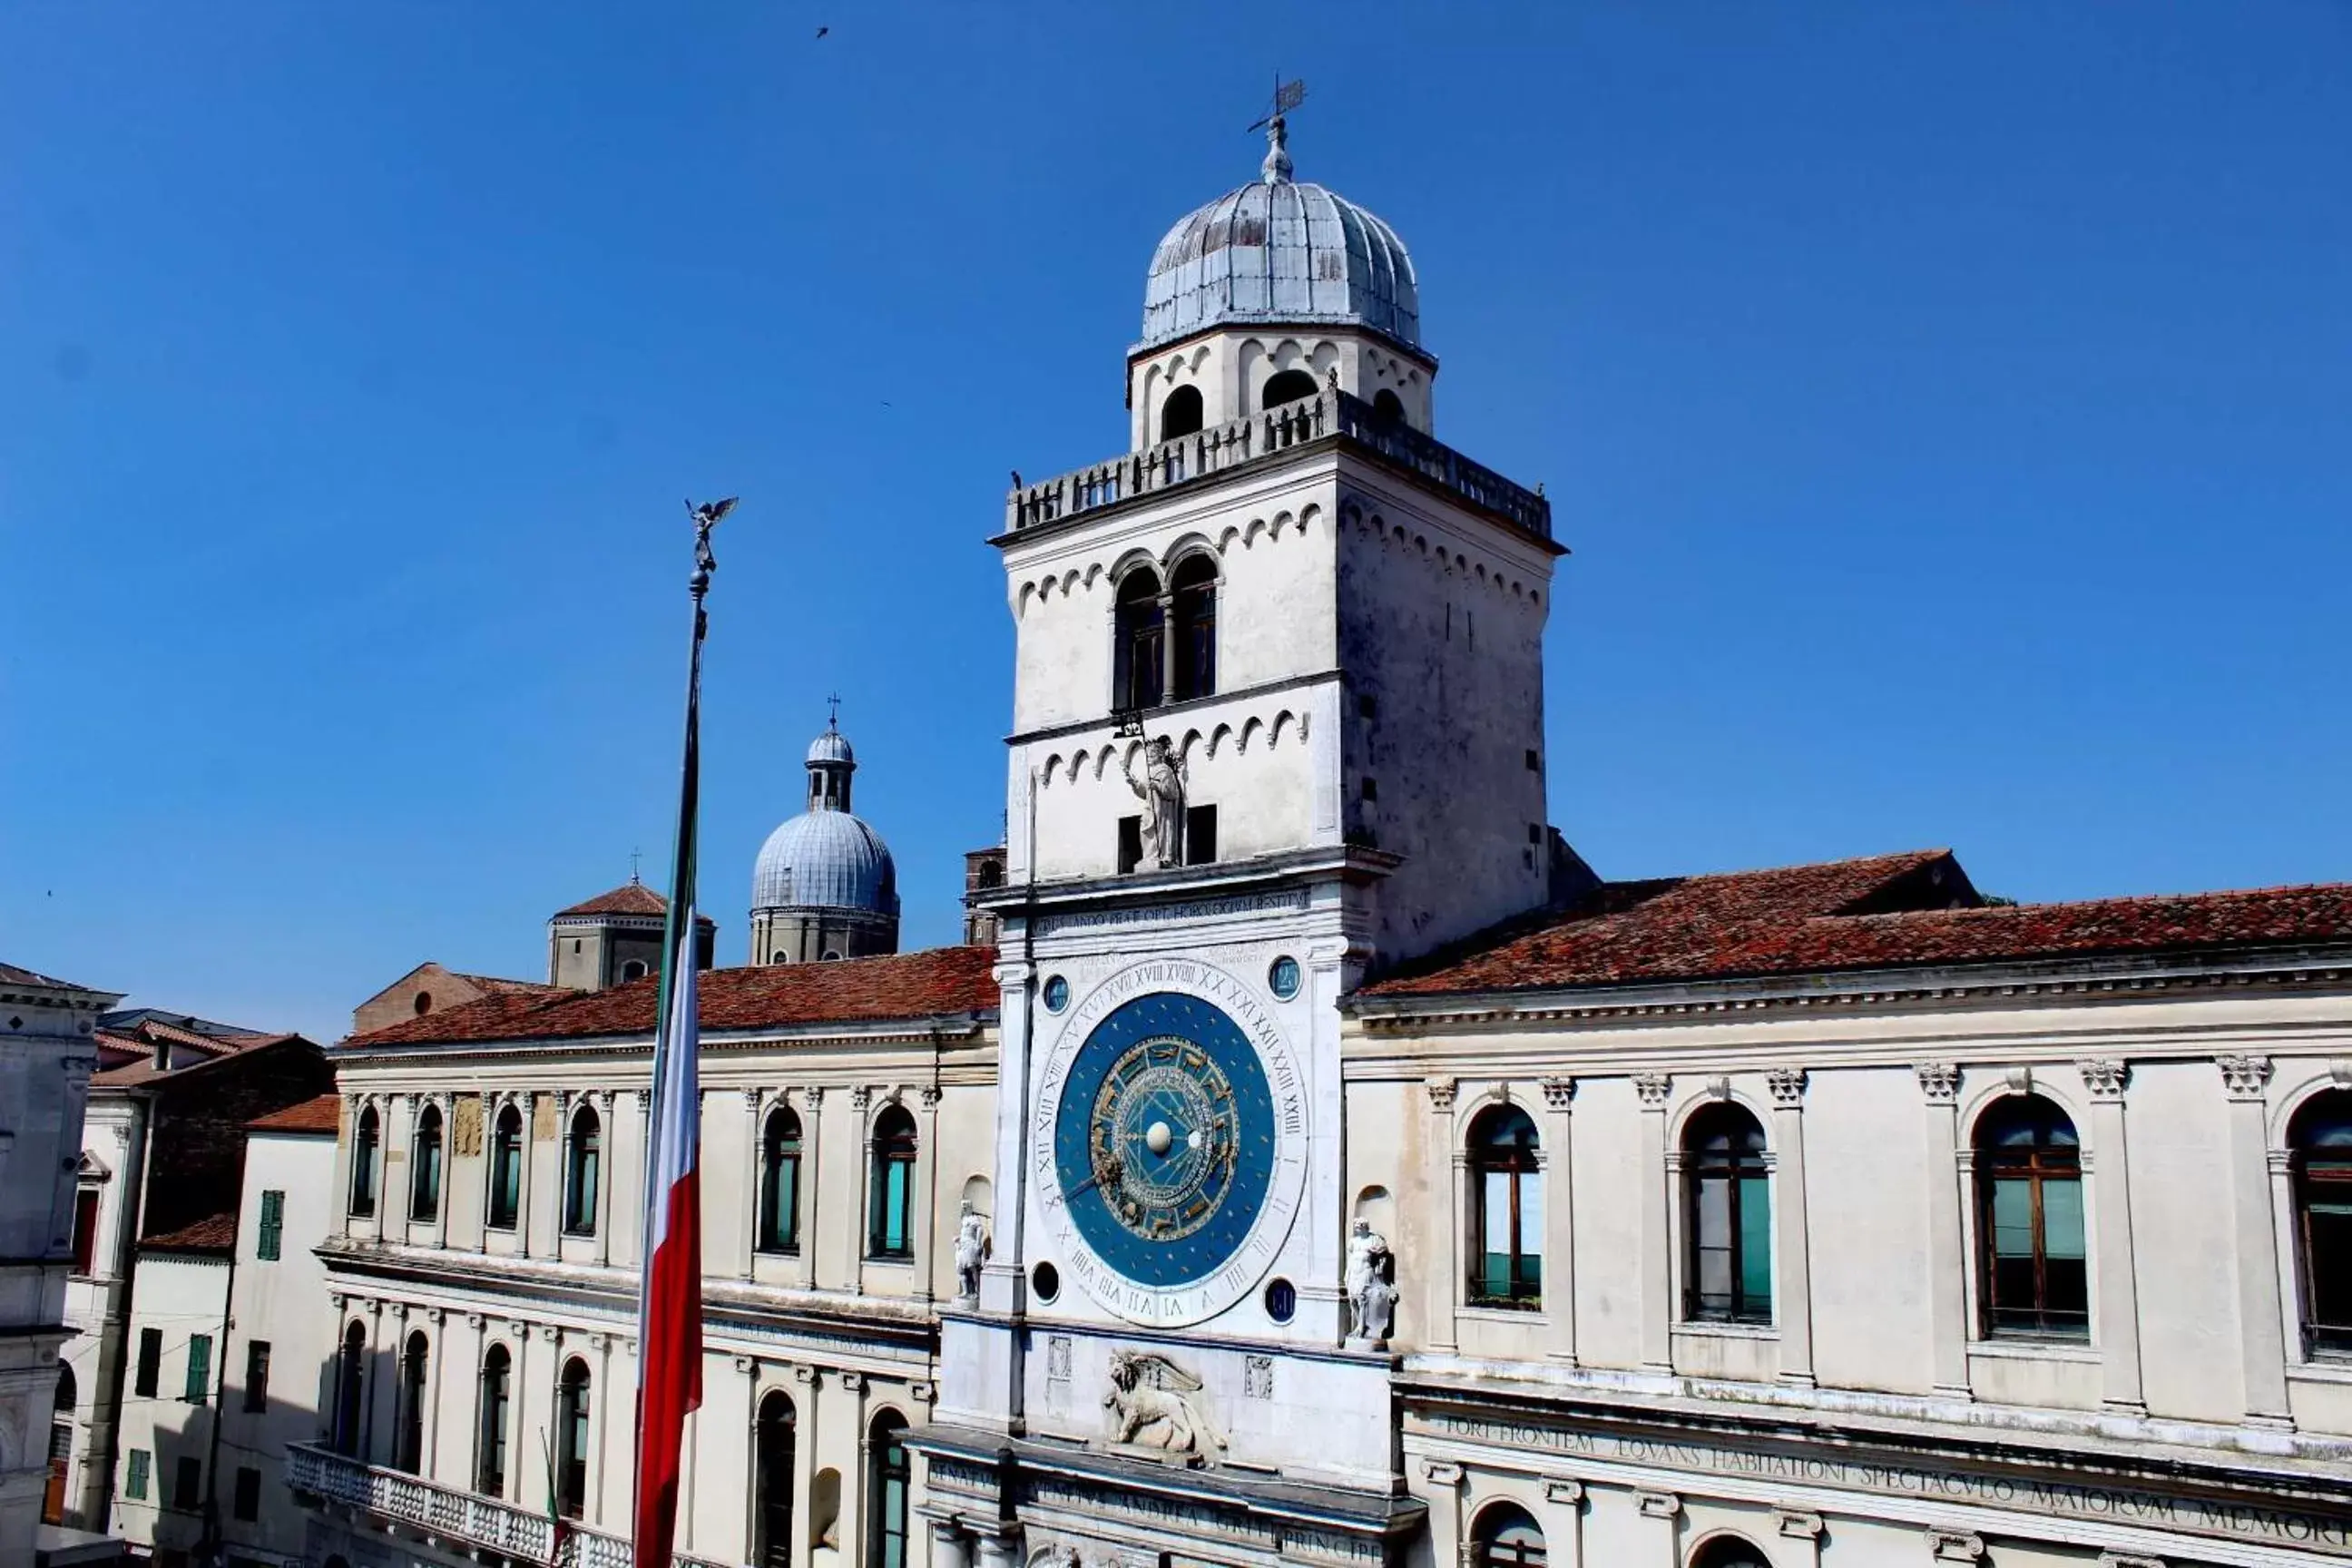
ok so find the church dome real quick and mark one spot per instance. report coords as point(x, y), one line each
point(832, 746)
point(1280, 251)
point(829, 859)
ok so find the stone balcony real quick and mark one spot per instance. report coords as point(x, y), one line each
point(1330, 414)
point(448, 1517)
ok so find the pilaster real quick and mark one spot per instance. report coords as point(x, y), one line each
point(1442, 1288)
point(1657, 1274)
point(1559, 1220)
point(1795, 1307)
point(2261, 1339)
point(1948, 1284)
point(2105, 1082)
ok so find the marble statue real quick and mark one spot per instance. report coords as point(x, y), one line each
point(1161, 790)
point(1155, 1404)
point(970, 1248)
point(1372, 1293)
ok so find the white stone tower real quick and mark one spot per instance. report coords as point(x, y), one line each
point(1278, 723)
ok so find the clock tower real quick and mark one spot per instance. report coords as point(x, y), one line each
point(1278, 726)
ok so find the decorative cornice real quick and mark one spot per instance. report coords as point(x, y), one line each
point(2244, 1076)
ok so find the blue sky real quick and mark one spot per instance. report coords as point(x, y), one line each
point(1945, 404)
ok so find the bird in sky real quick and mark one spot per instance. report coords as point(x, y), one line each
point(820, 32)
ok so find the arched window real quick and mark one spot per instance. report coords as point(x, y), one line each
point(2319, 1151)
point(1286, 387)
point(634, 969)
point(1726, 1218)
point(773, 1472)
point(1508, 1536)
point(1180, 412)
point(425, 1161)
point(409, 1423)
point(888, 1479)
point(506, 1169)
point(490, 1438)
point(350, 1376)
point(572, 1439)
point(61, 1425)
point(1194, 599)
point(778, 1227)
point(582, 1153)
point(365, 1137)
point(2031, 1260)
point(890, 1217)
point(1138, 677)
point(1387, 407)
point(1729, 1551)
point(1507, 1202)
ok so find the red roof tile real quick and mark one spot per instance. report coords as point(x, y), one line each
point(214, 1233)
point(940, 980)
point(323, 1114)
point(631, 898)
point(144, 1069)
point(1892, 913)
point(501, 986)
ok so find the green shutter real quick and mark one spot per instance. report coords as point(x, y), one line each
point(200, 1367)
point(134, 1485)
point(273, 1226)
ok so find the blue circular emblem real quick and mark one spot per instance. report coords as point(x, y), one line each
point(1164, 1141)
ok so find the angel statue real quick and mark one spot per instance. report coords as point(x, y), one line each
point(1155, 1404)
point(1161, 789)
point(971, 1248)
point(1371, 1295)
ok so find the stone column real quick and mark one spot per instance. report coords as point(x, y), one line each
point(861, 1106)
point(470, 1399)
point(1560, 1221)
point(2260, 1336)
point(519, 1406)
point(923, 1223)
point(754, 1191)
point(1444, 1287)
point(1657, 1271)
point(1804, 1528)
point(1788, 1231)
point(1666, 1509)
point(806, 1379)
point(601, 1345)
point(1448, 1541)
point(854, 1544)
point(489, 1142)
point(607, 1163)
point(527, 1102)
point(812, 1173)
point(1563, 1523)
point(2105, 1082)
point(1948, 1288)
point(437, 1370)
point(446, 1104)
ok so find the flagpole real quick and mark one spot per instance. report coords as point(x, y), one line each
point(670, 1285)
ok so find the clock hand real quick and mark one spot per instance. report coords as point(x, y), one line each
point(1106, 1169)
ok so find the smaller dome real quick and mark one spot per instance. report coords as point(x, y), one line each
point(827, 859)
point(832, 746)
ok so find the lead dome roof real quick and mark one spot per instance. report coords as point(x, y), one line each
point(828, 859)
point(1279, 251)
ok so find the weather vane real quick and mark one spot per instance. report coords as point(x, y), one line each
point(706, 518)
point(1288, 96)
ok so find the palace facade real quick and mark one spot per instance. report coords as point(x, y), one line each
point(1323, 1164)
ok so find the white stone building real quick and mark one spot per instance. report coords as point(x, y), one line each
point(46, 1057)
point(1362, 1180)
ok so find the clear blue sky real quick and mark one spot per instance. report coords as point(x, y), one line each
point(1946, 404)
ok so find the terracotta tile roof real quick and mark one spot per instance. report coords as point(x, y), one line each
point(938, 982)
point(214, 1233)
point(498, 985)
point(323, 1114)
point(144, 1069)
point(11, 975)
point(631, 898)
point(1891, 913)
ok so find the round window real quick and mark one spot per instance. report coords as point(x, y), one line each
point(1284, 977)
point(1058, 993)
point(1046, 1281)
point(1281, 1300)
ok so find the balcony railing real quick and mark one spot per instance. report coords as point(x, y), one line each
point(459, 1516)
point(1328, 413)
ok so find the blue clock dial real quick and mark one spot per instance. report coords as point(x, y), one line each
point(1163, 1143)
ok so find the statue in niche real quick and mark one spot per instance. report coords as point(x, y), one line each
point(971, 1249)
point(1155, 1404)
point(1371, 1285)
point(1161, 790)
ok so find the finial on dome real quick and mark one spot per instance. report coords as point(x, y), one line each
point(1275, 170)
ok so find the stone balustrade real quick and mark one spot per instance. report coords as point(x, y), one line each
point(450, 1514)
point(1329, 413)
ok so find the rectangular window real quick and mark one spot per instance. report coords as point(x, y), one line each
point(200, 1367)
point(1199, 834)
point(271, 1235)
point(134, 1480)
point(188, 1484)
point(1130, 844)
point(1368, 705)
point(1534, 761)
point(85, 1235)
point(1371, 789)
point(257, 1374)
point(248, 1493)
point(151, 1362)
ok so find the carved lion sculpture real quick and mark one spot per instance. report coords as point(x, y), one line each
point(1155, 1404)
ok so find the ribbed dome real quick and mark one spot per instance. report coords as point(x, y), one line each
point(832, 746)
point(829, 859)
point(1278, 251)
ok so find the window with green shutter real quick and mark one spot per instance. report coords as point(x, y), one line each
point(151, 1361)
point(200, 1367)
point(273, 1226)
point(134, 1483)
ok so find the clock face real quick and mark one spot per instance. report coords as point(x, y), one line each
point(1164, 1139)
